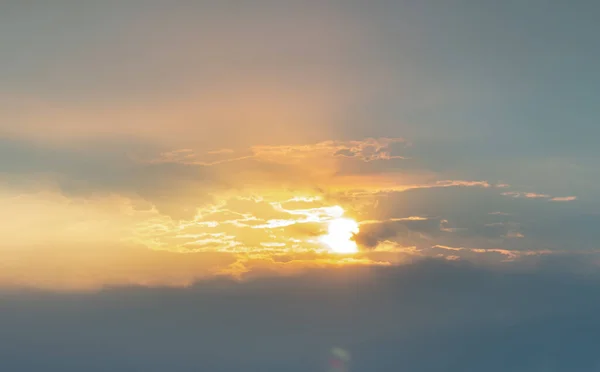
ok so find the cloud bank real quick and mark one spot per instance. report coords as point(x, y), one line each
point(409, 317)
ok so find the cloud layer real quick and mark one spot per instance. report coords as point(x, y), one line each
point(425, 316)
point(223, 139)
point(257, 210)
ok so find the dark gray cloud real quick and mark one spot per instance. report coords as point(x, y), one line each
point(469, 220)
point(344, 152)
point(421, 317)
point(105, 167)
point(373, 233)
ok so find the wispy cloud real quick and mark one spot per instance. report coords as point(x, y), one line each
point(533, 195)
point(528, 195)
point(367, 150)
point(563, 198)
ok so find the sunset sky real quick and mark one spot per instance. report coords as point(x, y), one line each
point(153, 145)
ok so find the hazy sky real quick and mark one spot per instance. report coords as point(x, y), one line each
point(151, 145)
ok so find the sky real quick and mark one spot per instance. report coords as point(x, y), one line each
point(220, 185)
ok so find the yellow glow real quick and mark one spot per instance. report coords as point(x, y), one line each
point(340, 233)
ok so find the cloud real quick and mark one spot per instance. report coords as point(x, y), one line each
point(188, 156)
point(70, 267)
point(153, 146)
point(107, 168)
point(528, 195)
point(472, 222)
point(244, 236)
point(259, 202)
point(266, 165)
point(532, 195)
point(388, 318)
point(179, 182)
point(269, 265)
point(403, 229)
point(495, 230)
point(563, 198)
point(344, 152)
point(368, 149)
point(489, 255)
point(386, 184)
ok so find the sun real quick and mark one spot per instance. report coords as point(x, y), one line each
point(339, 235)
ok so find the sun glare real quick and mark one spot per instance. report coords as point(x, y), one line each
point(339, 235)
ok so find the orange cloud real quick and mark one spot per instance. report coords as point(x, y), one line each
point(564, 198)
point(292, 264)
point(528, 195)
point(91, 267)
